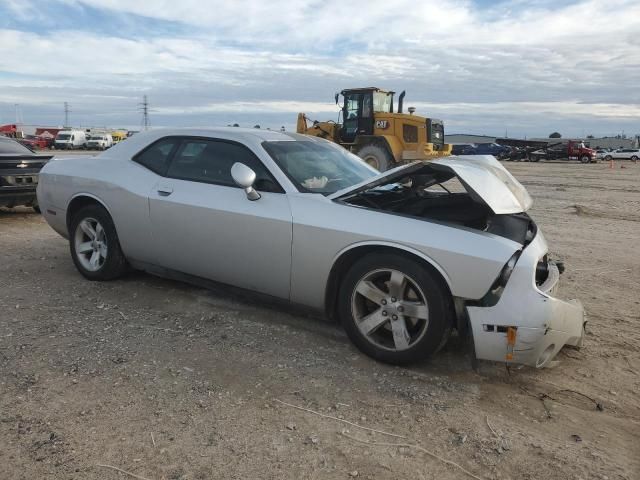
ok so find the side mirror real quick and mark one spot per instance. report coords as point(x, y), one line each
point(337, 96)
point(244, 178)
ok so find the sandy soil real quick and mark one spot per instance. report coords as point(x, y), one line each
point(168, 381)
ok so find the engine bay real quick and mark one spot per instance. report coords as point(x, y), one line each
point(440, 196)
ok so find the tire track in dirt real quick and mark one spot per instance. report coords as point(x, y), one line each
point(581, 186)
point(581, 210)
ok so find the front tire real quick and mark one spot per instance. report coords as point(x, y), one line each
point(585, 159)
point(95, 248)
point(376, 156)
point(634, 159)
point(394, 309)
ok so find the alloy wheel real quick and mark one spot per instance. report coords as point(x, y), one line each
point(390, 309)
point(90, 242)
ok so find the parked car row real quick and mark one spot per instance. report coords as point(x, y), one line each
point(79, 139)
point(73, 139)
point(567, 150)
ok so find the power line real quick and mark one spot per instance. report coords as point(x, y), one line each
point(19, 119)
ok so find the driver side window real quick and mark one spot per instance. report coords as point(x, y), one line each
point(210, 161)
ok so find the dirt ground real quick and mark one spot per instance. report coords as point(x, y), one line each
point(169, 381)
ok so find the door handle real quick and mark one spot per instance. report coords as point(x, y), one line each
point(165, 190)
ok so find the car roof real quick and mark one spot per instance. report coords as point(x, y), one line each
point(139, 141)
point(237, 132)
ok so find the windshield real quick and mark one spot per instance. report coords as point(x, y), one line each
point(382, 102)
point(63, 136)
point(318, 167)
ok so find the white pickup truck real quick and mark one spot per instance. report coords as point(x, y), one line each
point(99, 141)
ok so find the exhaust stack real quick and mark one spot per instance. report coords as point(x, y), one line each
point(401, 100)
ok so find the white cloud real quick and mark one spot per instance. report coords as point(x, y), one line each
point(312, 25)
point(518, 62)
point(275, 106)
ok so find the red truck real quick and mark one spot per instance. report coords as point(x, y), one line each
point(36, 143)
point(571, 150)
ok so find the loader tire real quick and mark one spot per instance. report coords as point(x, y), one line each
point(376, 156)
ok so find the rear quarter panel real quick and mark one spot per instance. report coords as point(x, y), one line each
point(120, 185)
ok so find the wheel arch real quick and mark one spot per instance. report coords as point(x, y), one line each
point(81, 200)
point(345, 258)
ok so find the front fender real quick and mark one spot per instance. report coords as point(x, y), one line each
point(396, 246)
point(323, 230)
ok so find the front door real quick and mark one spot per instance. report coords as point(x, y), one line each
point(204, 225)
point(358, 116)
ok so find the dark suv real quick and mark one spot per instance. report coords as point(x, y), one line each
point(19, 168)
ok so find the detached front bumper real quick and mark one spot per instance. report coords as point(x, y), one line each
point(541, 323)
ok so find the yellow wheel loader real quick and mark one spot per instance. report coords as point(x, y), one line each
point(372, 130)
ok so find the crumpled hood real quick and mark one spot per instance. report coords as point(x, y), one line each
point(483, 176)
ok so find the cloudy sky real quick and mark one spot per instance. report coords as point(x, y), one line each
point(484, 66)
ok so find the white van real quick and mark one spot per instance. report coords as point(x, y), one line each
point(70, 140)
point(99, 141)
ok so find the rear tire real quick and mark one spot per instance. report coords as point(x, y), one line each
point(394, 309)
point(634, 159)
point(376, 156)
point(95, 248)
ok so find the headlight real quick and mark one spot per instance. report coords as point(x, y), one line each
point(495, 292)
point(507, 270)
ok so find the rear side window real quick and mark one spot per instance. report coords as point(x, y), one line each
point(156, 156)
point(210, 161)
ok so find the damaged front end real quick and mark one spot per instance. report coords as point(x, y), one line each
point(518, 320)
point(523, 323)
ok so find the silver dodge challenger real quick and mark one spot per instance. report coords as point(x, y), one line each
point(400, 258)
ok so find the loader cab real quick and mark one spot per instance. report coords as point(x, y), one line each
point(358, 111)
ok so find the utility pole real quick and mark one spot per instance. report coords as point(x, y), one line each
point(67, 110)
point(144, 107)
point(19, 119)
